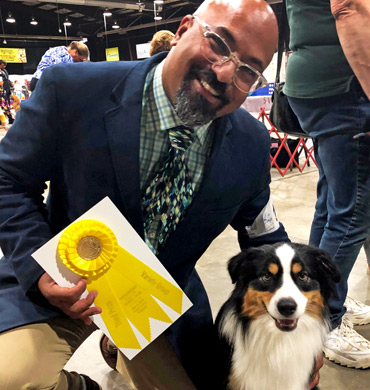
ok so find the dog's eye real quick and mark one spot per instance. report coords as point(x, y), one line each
point(266, 277)
point(303, 276)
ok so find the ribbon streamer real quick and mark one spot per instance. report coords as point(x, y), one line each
point(126, 285)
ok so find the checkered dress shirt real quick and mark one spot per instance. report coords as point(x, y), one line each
point(158, 116)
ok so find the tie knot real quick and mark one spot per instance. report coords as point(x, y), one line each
point(181, 137)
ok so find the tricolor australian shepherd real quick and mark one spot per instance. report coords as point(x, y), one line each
point(275, 322)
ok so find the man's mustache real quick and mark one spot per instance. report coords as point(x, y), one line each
point(210, 77)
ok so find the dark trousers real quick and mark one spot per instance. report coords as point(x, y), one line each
point(33, 83)
point(342, 218)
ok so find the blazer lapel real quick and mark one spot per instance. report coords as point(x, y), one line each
point(123, 130)
point(219, 160)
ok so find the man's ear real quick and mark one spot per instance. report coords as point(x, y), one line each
point(186, 22)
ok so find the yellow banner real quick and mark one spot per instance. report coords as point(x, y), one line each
point(13, 55)
point(128, 290)
point(112, 54)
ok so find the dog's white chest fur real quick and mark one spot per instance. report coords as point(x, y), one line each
point(268, 359)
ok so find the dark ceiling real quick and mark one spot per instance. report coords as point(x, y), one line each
point(86, 16)
point(135, 18)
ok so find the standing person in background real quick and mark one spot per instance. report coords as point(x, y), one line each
point(5, 83)
point(74, 52)
point(328, 87)
point(161, 41)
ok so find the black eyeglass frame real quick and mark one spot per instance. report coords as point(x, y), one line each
point(261, 81)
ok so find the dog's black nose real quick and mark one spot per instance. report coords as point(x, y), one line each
point(287, 306)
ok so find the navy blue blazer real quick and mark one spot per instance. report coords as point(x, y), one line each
point(81, 131)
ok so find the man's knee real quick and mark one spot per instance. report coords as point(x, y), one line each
point(32, 357)
point(26, 374)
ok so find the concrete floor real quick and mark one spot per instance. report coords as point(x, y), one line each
point(294, 198)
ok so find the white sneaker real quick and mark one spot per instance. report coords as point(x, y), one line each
point(357, 312)
point(346, 347)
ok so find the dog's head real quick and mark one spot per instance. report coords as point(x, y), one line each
point(283, 280)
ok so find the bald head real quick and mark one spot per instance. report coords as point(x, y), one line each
point(235, 5)
point(254, 16)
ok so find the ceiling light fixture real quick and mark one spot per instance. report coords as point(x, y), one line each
point(34, 22)
point(67, 23)
point(158, 7)
point(10, 18)
point(140, 5)
point(115, 25)
point(107, 13)
point(59, 29)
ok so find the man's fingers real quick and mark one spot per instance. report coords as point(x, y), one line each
point(68, 298)
point(82, 308)
point(73, 294)
point(315, 376)
point(91, 311)
point(69, 294)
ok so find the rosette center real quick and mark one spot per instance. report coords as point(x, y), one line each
point(89, 248)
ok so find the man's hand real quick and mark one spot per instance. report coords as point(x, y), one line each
point(68, 299)
point(315, 376)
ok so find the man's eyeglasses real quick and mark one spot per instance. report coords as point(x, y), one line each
point(217, 51)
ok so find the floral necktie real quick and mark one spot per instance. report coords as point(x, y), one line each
point(170, 192)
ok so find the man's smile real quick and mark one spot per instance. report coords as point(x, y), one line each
point(209, 88)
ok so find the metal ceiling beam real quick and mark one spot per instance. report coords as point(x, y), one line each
point(49, 37)
point(95, 3)
point(139, 27)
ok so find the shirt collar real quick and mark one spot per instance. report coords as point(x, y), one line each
point(167, 115)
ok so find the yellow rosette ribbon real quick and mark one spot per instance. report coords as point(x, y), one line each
point(126, 286)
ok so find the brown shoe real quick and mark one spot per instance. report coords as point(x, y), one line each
point(109, 351)
point(86, 383)
point(89, 384)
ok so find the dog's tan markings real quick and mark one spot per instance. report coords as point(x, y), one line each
point(296, 268)
point(273, 268)
point(255, 303)
point(315, 303)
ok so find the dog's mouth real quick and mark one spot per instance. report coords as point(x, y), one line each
point(286, 325)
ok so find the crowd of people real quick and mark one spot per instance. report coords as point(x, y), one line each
point(12, 93)
point(127, 141)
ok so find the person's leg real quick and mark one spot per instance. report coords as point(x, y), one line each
point(156, 367)
point(33, 83)
point(345, 164)
point(347, 169)
point(321, 212)
point(185, 357)
point(33, 356)
point(8, 98)
point(333, 122)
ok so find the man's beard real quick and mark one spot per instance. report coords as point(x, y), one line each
point(196, 110)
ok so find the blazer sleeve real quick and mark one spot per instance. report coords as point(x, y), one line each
point(27, 162)
point(256, 221)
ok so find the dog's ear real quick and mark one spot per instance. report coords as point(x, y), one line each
point(326, 272)
point(329, 271)
point(240, 265)
point(234, 265)
point(326, 266)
